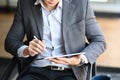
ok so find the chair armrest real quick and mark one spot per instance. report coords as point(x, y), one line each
point(6, 74)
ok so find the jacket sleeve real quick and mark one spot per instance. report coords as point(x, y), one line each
point(94, 35)
point(14, 39)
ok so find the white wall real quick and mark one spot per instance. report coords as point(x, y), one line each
point(12, 2)
point(99, 0)
point(2, 3)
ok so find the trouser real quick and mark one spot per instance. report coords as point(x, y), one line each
point(42, 73)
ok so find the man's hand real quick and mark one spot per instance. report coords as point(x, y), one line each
point(35, 47)
point(75, 60)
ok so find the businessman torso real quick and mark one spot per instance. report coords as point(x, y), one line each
point(75, 27)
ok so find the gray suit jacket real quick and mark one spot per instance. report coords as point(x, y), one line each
point(78, 24)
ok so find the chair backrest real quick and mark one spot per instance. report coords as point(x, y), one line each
point(10, 70)
point(101, 77)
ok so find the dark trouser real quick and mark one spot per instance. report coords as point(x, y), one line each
point(35, 73)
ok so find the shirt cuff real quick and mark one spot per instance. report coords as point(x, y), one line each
point(20, 51)
point(85, 58)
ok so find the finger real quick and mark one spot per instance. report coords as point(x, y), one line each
point(32, 52)
point(37, 43)
point(75, 60)
point(40, 43)
point(77, 56)
point(71, 61)
point(57, 61)
point(35, 46)
point(64, 60)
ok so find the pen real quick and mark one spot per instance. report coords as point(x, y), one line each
point(37, 39)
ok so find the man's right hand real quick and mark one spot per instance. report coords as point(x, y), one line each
point(35, 47)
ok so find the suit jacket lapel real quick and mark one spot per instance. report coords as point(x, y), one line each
point(69, 13)
point(68, 10)
point(37, 12)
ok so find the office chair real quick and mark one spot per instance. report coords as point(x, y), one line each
point(101, 77)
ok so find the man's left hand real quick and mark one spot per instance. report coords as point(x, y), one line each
point(75, 60)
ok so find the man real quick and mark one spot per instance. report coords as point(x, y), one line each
point(55, 28)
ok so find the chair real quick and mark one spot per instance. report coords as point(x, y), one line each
point(11, 71)
point(101, 77)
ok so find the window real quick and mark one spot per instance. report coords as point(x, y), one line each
point(99, 0)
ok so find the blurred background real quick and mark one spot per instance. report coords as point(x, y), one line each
point(108, 16)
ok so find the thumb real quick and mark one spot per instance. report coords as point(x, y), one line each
point(43, 41)
point(78, 56)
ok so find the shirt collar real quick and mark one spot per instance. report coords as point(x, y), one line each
point(40, 2)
